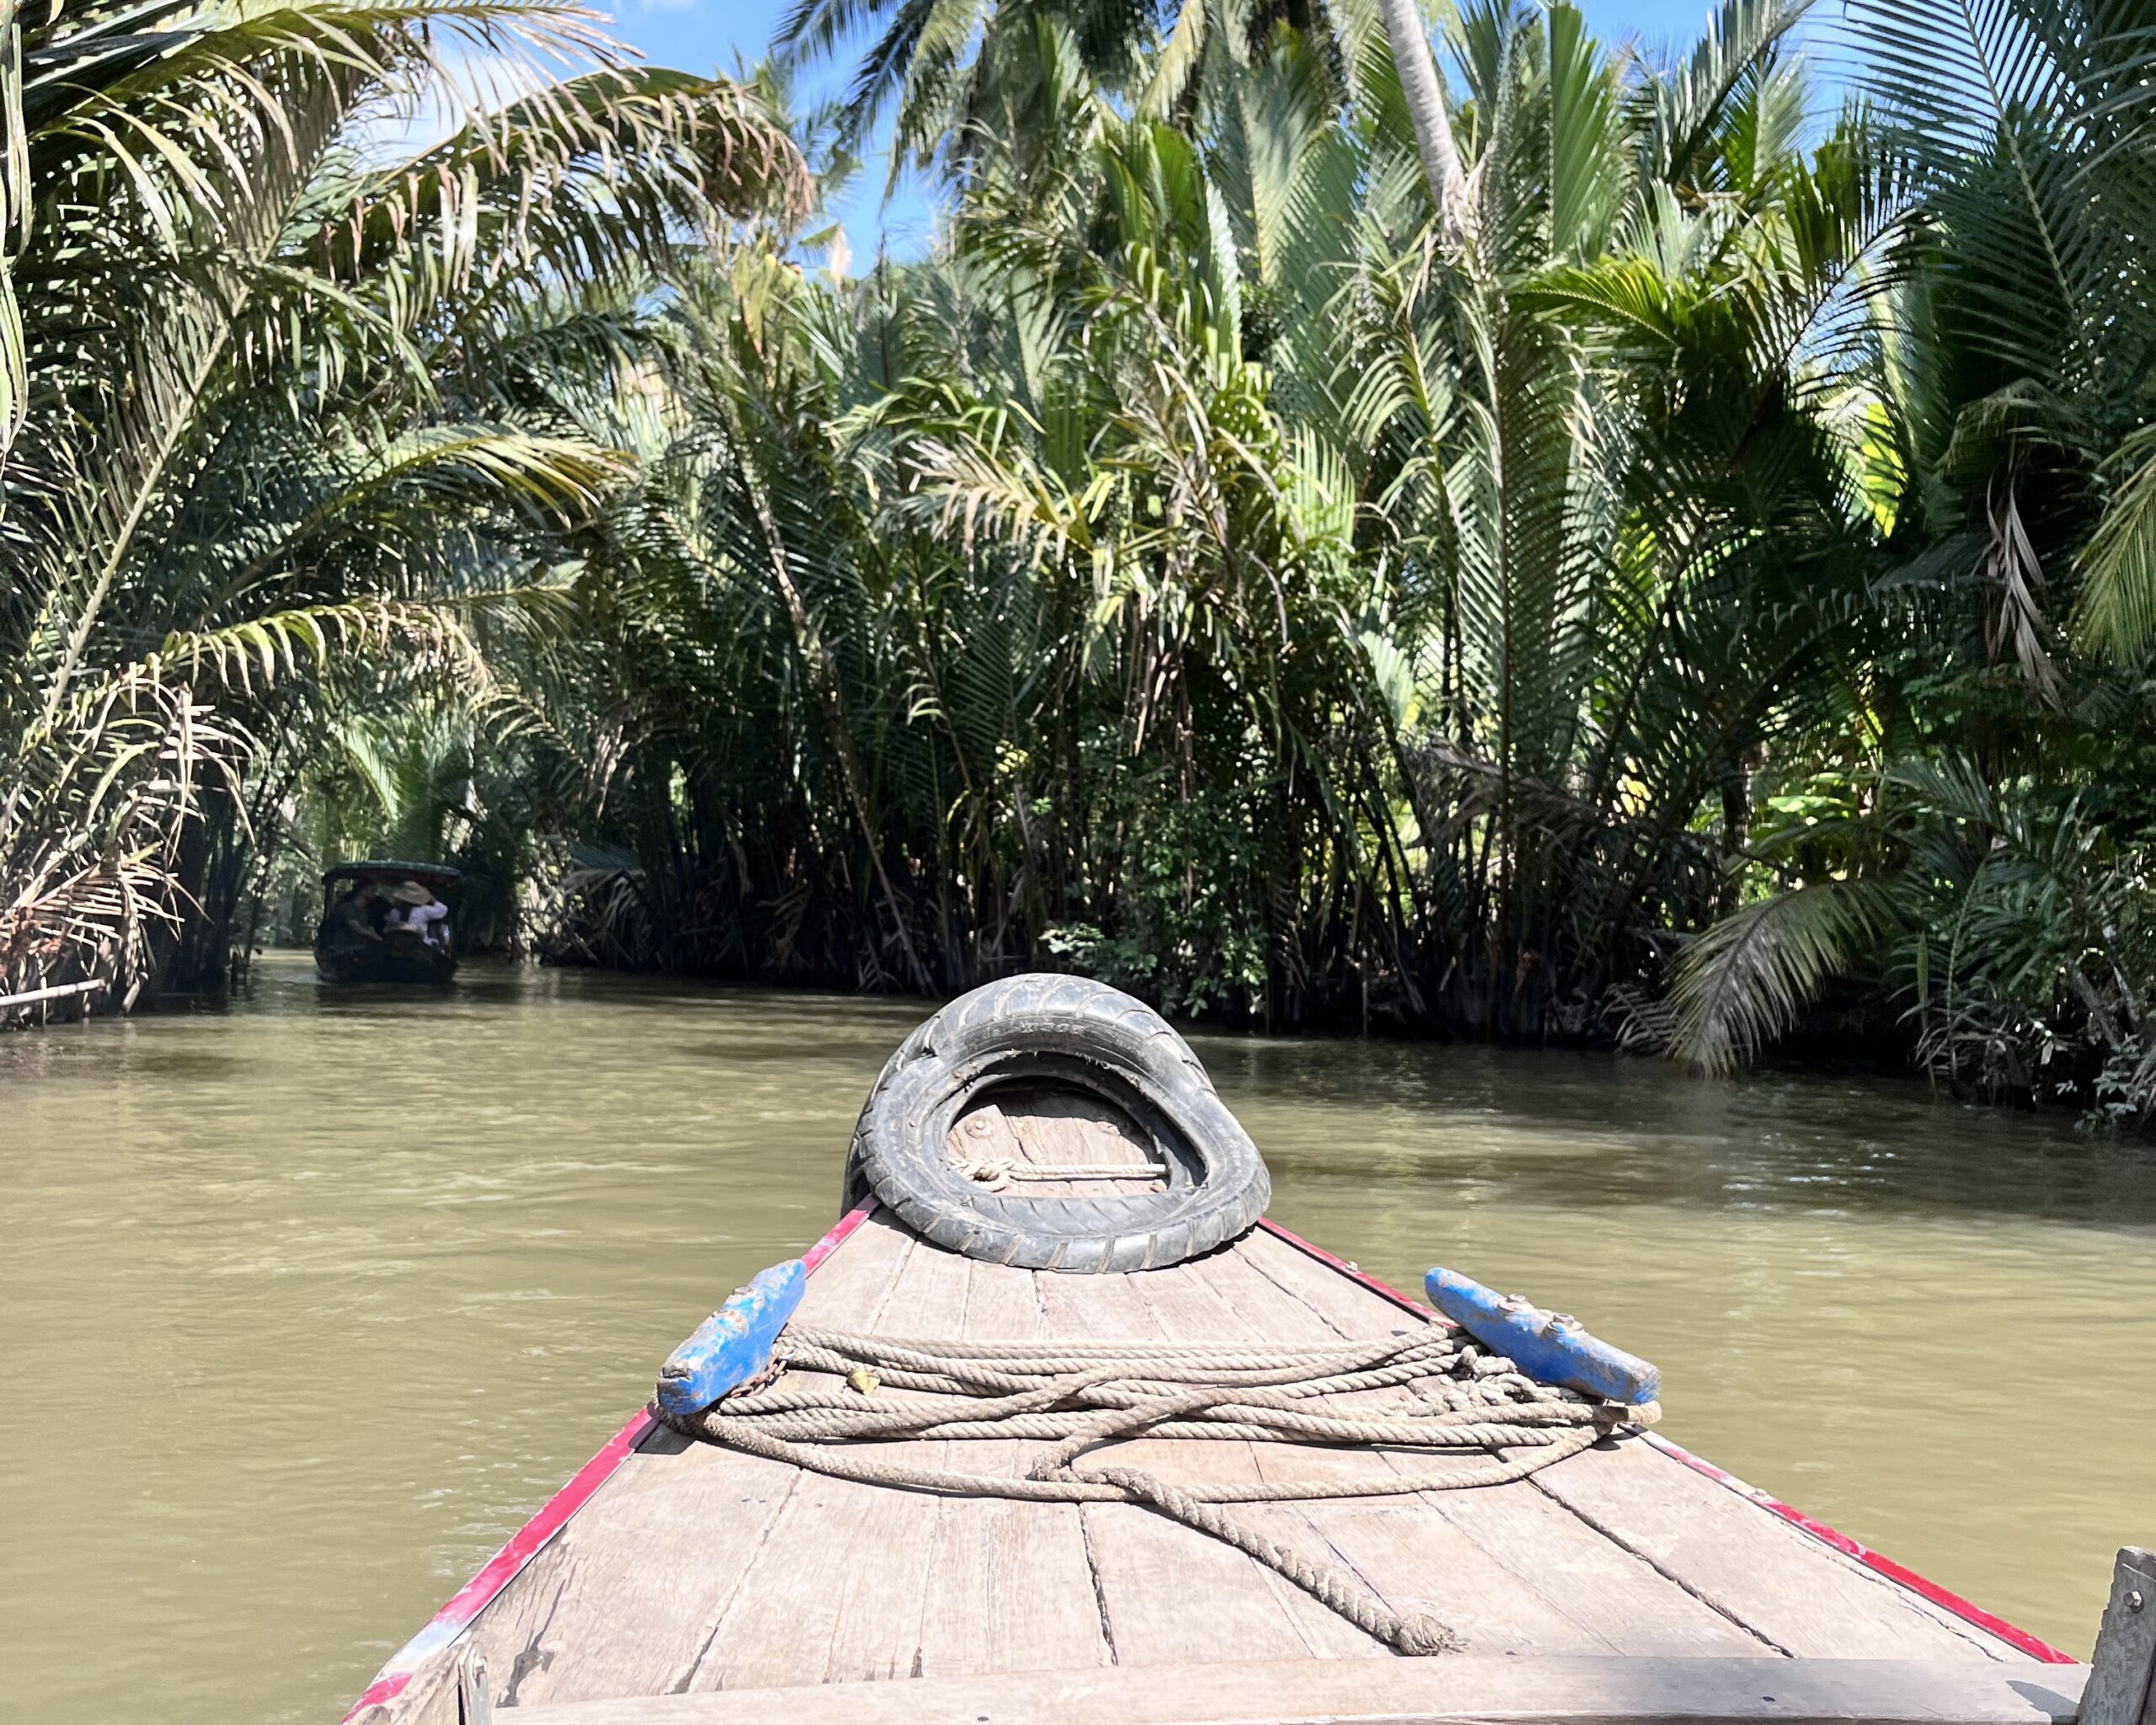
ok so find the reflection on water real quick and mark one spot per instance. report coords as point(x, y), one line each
point(306, 1305)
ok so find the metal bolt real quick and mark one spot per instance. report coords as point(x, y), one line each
point(2133, 1599)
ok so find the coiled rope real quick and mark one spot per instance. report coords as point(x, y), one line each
point(1079, 1395)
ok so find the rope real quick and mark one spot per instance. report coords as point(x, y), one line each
point(995, 1173)
point(1079, 1394)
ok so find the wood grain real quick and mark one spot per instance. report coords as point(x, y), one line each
point(2123, 1679)
point(695, 1570)
point(1801, 1595)
point(835, 1594)
point(1503, 1565)
point(1031, 1125)
point(1789, 1591)
point(1547, 1692)
point(1010, 1588)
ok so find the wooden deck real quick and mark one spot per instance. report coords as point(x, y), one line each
point(694, 1569)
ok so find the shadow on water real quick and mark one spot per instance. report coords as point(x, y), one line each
point(172, 1066)
point(1584, 1129)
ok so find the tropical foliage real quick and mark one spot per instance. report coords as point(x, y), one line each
point(1582, 547)
point(1210, 570)
point(1972, 846)
point(278, 406)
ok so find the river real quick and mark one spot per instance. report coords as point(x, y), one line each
point(306, 1303)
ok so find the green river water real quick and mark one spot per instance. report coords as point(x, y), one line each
point(306, 1304)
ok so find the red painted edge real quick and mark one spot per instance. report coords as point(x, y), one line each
point(1381, 1289)
point(524, 1544)
point(1899, 1574)
point(837, 1235)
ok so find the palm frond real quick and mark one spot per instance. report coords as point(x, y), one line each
point(2115, 613)
point(1746, 981)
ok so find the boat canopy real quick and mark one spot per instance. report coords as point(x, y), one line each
point(439, 878)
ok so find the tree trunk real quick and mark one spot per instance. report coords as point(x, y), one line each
point(1425, 107)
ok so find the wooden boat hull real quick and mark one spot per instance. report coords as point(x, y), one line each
point(678, 1581)
point(396, 958)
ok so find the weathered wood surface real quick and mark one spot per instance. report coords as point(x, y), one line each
point(1748, 1692)
point(1805, 1598)
point(1029, 1124)
point(429, 1699)
point(58, 991)
point(1788, 1589)
point(626, 1600)
point(695, 1570)
point(2123, 1681)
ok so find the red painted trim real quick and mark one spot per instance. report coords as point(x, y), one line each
point(524, 1544)
point(840, 1230)
point(477, 1594)
point(1381, 1289)
point(1899, 1574)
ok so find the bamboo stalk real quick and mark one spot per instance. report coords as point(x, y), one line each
point(53, 993)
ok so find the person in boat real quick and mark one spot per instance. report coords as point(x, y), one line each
point(362, 911)
point(422, 912)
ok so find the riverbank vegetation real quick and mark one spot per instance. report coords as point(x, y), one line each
point(1547, 543)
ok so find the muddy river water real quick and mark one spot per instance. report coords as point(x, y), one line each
point(306, 1303)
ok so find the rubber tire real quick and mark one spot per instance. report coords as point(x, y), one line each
point(1083, 1035)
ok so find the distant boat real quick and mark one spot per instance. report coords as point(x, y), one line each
point(375, 948)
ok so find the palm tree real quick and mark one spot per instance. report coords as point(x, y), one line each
point(272, 403)
point(1192, 573)
point(1424, 91)
point(2022, 129)
point(936, 65)
point(1958, 864)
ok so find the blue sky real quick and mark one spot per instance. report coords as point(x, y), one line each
point(707, 35)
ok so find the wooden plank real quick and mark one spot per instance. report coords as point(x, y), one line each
point(1413, 1559)
point(836, 1587)
point(395, 1688)
point(1804, 1597)
point(1610, 1594)
point(834, 1593)
point(1010, 1588)
point(1343, 1302)
point(1548, 1691)
point(1793, 1592)
point(1360, 1538)
point(1169, 1594)
point(2122, 1681)
point(1505, 1565)
point(1023, 1124)
point(877, 1631)
point(622, 1602)
point(1186, 1310)
point(428, 1695)
point(705, 1568)
point(625, 1599)
point(57, 992)
point(850, 1286)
